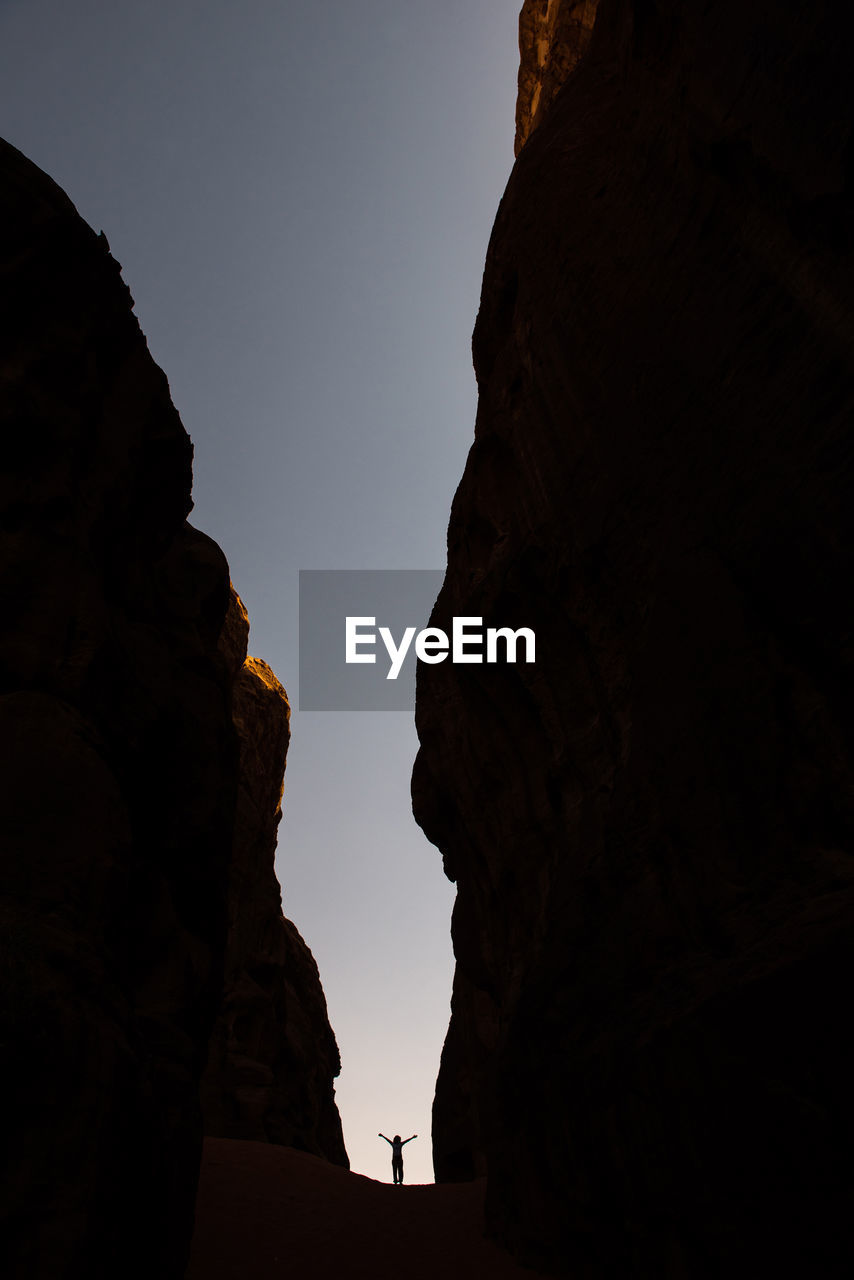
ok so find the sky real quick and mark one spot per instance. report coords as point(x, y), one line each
point(301, 196)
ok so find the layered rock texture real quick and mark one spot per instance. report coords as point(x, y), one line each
point(553, 36)
point(119, 773)
point(273, 1055)
point(651, 828)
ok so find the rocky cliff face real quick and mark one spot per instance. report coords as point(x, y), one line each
point(553, 37)
point(651, 828)
point(273, 1055)
point(119, 771)
point(119, 764)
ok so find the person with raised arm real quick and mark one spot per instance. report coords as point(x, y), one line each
point(397, 1144)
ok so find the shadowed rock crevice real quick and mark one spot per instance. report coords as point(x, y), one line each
point(651, 829)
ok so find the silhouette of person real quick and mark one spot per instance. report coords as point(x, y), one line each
point(397, 1144)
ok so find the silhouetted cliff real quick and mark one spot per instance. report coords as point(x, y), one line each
point(119, 769)
point(273, 1055)
point(651, 828)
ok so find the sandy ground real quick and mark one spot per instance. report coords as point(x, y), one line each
point(266, 1211)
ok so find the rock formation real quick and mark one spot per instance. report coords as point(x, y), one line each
point(273, 1055)
point(553, 37)
point(119, 770)
point(651, 827)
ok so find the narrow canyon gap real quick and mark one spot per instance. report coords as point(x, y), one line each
point(305, 263)
point(650, 830)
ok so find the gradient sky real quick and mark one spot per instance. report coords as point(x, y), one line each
point(300, 196)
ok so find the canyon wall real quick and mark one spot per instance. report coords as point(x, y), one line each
point(553, 37)
point(273, 1056)
point(121, 789)
point(651, 827)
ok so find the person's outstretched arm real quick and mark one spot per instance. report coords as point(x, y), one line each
point(388, 1140)
point(403, 1144)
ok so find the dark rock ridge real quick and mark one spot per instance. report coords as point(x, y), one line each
point(273, 1055)
point(651, 828)
point(119, 769)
